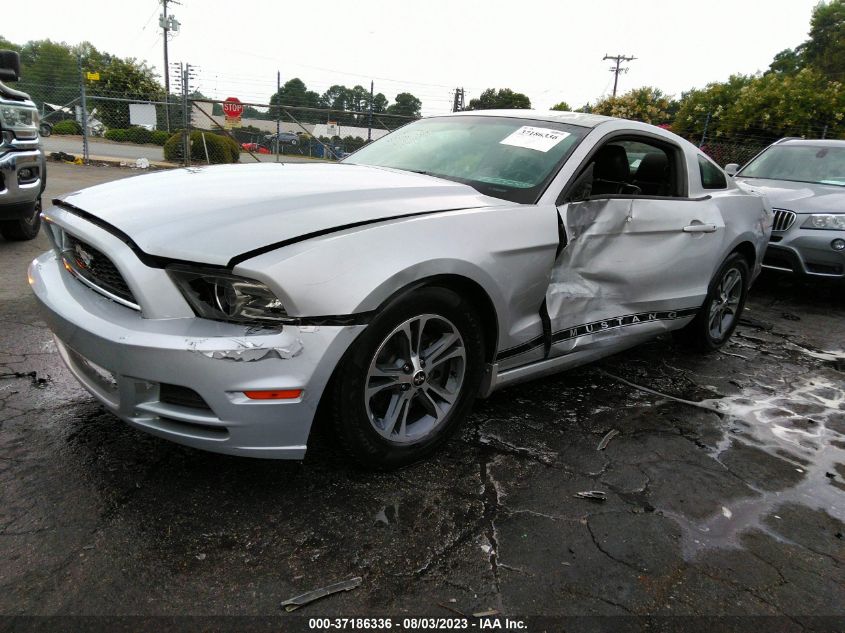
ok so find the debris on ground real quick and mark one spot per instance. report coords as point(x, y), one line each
point(300, 601)
point(452, 609)
point(485, 614)
point(790, 317)
point(606, 439)
point(594, 495)
point(755, 323)
point(63, 156)
point(37, 381)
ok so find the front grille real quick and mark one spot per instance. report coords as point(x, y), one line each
point(783, 219)
point(91, 265)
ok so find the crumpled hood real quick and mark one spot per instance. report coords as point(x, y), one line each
point(212, 214)
point(800, 197)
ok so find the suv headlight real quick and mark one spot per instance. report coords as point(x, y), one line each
point(833, 221)
point(225, 297)
point(18, 118)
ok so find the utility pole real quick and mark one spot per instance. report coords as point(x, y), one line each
point(167, 24)
point(370, 116)
point(616, 69)
point(278, 111)
point(458, 104)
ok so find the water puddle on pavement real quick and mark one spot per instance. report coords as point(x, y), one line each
point(803, 424)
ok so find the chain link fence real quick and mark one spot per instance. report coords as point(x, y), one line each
point(192, 129)
point(731, 141)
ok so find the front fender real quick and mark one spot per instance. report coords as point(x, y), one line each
point(508, 251)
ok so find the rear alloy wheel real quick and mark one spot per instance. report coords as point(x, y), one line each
point(409, 379)
point(25, 228)
point(718, 317)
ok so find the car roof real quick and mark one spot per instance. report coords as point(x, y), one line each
point(554, 116)
point(811, 142)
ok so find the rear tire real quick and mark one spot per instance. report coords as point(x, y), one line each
point(25, 228)
point(719, 315)
point(409, 380)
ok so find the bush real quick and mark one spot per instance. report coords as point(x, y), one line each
point(221, 149)
point(159, 137)
point(137, 135)
point(68, 126)
point(116, 134)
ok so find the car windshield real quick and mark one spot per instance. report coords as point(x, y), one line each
point(504, 157)
point(800, 163)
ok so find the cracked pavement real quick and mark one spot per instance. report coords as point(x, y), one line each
point(724, 489)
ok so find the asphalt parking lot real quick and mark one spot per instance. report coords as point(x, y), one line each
point(725, 489)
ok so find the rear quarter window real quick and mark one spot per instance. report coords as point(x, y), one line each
point(711, 176)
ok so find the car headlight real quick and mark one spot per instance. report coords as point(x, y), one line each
point(831, 221)
point(18, 118)
point(222, 296)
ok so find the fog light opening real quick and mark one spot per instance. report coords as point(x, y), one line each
point(274, 394)
point(27, 174)
point(838, 244)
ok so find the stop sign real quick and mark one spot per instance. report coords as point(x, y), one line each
point(232, 107)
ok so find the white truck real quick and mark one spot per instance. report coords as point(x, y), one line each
point(23, 170)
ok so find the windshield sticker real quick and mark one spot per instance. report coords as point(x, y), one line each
point(541, 139)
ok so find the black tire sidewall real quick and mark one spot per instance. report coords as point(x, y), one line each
point(25, 228)
point(706, 341)
point(364, 444)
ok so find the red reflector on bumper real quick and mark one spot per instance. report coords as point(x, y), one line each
point(274, 394)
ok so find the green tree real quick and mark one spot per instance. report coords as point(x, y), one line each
point(645, 104)
point(121, 78)
point(502, 99)
point(379, 103)
point(712, 104)
point(406, 105)
point(562, 106)
point(825, 49)
point(294, 92)
point(777, 105)
point(789, 61)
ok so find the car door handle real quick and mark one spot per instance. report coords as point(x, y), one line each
point(700, 228)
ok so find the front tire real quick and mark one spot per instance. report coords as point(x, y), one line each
point(25, 228)
point(409, 380)
point(719, 315)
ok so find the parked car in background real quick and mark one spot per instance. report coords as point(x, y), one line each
point(23, 170)
point(220, 307)
point(804, 180)
point(283, 138)
point(255, 147)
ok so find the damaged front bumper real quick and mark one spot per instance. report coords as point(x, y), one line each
point(184, 379)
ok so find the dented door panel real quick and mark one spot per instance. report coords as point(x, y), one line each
point(629, 267)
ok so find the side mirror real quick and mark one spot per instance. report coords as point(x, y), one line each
point(10, 66)
point(731, 169)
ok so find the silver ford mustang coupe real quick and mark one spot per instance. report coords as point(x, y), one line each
point(218, 307)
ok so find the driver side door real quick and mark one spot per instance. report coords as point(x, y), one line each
point(633, 264)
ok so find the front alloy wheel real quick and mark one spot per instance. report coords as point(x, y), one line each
point(415, 378)
point(409, 379)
